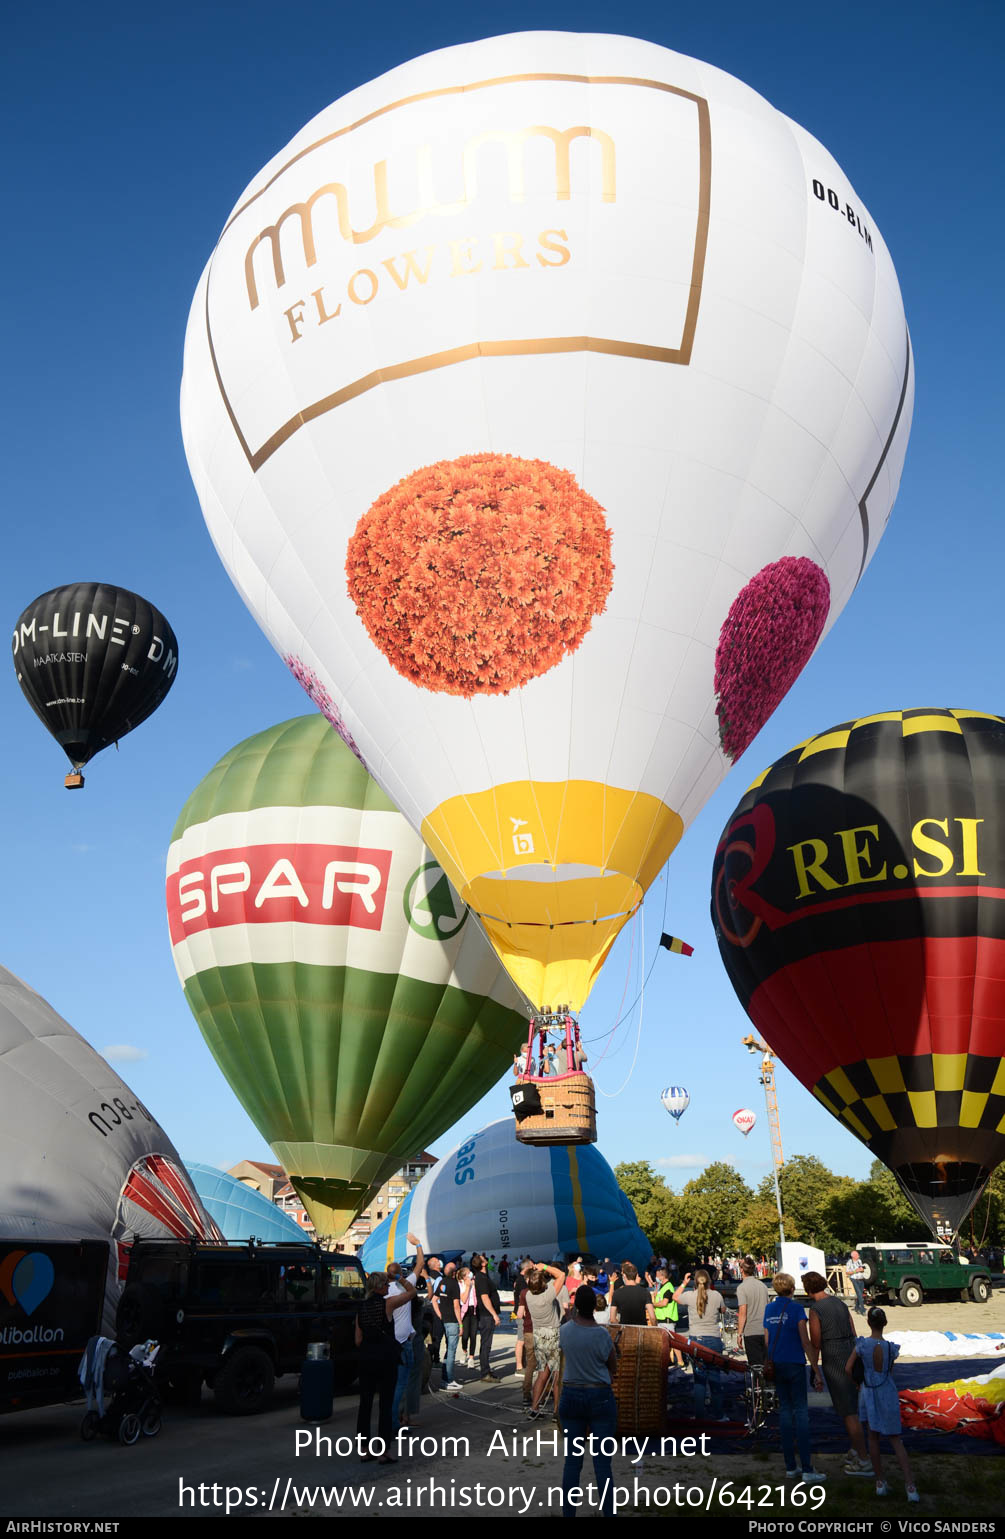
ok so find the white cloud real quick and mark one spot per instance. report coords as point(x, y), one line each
point(124, 1052)
point(82, 849)
point(686, 1162)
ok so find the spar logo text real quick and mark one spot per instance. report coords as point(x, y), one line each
point(272, 883)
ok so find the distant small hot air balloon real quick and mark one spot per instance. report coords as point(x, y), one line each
point(744, 1119)
point(857, 896)
point(93, 661)
point(676, 1100)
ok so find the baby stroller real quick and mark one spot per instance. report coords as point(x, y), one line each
point(122, 1397)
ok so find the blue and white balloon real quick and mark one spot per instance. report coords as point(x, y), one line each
point(495, 1195)
point(676, 1100)
point(240, 1211)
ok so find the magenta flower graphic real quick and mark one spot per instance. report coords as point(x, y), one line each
point(309, 681)
point(767, 638)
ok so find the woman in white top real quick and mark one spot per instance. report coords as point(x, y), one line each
point(469, 1313)
point(705, 1308)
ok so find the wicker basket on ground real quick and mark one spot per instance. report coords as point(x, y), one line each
point(640, 1382)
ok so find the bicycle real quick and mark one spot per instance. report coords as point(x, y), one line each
point(760, 1397)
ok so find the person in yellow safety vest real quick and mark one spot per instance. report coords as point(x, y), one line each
point(665, 1309)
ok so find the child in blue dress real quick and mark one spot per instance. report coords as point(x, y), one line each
point(879, 1402)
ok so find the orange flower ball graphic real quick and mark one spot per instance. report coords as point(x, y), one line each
point(476, 575)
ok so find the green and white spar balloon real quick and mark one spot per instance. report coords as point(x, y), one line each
point(355, 1007)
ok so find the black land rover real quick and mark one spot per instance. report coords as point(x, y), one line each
point(236, 1315)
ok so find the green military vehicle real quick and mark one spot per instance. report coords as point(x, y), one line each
point(913, 1273)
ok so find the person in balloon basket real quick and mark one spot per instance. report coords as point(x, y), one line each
point(549, 1061)
point(404, 1330)
point(488, 1307)
point(879, 1400)
point(787, 1345)
point(855, 1272)
point(379, 1356)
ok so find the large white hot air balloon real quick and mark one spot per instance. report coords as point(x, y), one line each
point(81, 1158)
point(744, 1119)
point(546, 399)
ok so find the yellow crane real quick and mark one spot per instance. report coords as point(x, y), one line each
point(767, 1079)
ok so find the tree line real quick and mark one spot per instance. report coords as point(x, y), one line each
point(718, 1213)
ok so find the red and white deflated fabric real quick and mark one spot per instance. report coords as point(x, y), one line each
point(975, 1407)
point(159, 1190)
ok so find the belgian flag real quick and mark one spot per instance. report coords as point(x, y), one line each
point(674, 943)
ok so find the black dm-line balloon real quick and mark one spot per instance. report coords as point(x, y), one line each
point(93, 661)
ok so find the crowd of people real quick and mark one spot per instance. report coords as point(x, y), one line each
point(565, 1364)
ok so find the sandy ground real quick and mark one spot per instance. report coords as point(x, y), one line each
point(478, 1455)
point(944, 1316)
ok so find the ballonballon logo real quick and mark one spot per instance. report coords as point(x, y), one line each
point(27, 1278)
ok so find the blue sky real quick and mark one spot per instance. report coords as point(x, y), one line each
point(130, 136)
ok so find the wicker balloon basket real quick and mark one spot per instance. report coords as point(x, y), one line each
point(568, 1112)
point(640, 1382)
